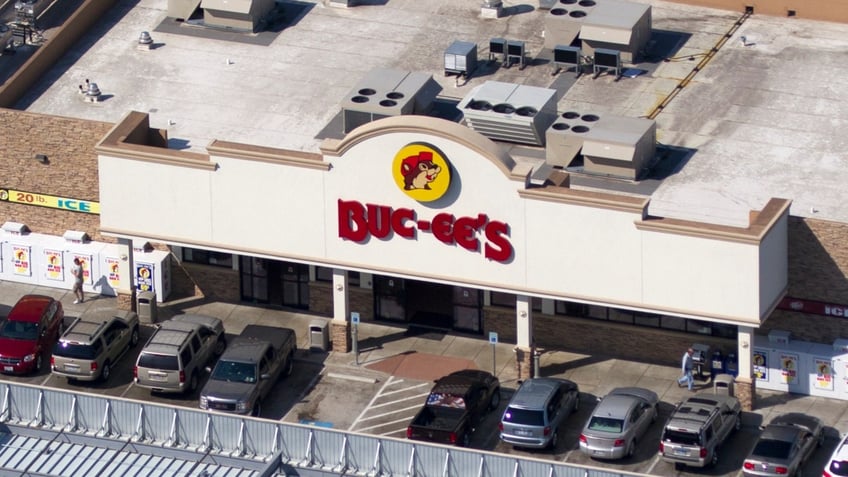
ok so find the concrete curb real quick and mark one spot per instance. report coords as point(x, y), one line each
point(350, 377)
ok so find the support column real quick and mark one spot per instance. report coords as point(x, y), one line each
point(525, 347)
point(340, 328)
point(745, 385)
point(126, 292)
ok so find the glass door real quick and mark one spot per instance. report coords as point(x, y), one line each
point(295, 285)
point(389, 298)
point(254, 279)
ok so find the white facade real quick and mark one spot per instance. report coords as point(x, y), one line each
point(566, 244)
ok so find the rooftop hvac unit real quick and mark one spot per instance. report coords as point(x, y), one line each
point(383, 93)
point(563, 21)
point(510, 112)
point(614, 146)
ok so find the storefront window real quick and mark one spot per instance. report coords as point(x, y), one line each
point(325, 274)
point(207, 257)
point(699, 327)
point(621, 316)
point(506, 300)
point(597, 312)
point(673, 323)
point(647, 319)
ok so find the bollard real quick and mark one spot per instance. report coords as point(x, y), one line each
point(536, 358)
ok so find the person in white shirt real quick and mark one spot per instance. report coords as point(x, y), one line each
point(686, 367)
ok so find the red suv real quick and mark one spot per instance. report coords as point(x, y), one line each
point(29, 332)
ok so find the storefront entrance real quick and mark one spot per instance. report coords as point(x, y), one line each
point(270, 282)
point(428, 304)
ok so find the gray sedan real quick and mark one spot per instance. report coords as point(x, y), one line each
point(618, 422)
point(785, 444)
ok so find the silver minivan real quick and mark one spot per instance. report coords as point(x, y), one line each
point(535, 412)
point(175, 356)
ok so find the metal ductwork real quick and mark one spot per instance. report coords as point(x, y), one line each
point(510, 112)
point(383, 93)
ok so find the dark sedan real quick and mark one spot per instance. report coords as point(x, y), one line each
point(785, 444)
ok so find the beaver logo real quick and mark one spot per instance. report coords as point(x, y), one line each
point(419, 171)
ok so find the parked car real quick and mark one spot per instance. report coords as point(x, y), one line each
point(248, 369)
point(536, 410)
point(698, 427)
point(27, 335)
point(618, 423)
point(89, 348)
point(455, 405)
point(837, 465)
point(785, 444)
point(177, 353)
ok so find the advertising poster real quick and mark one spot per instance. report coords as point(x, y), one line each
point(824, 374)
point(144, 277)
point(54, 264)
point(789, 368)
point(85, 263)
point(113, 271)
point(760, 365)
point(20, 260)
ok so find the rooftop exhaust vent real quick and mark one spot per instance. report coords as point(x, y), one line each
point(510, 112)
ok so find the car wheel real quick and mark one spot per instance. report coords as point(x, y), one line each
point(192, 383)
point(106, 371)
point(134, 337)
point(39, 362)
point(631, 449)
point(714, 458)
point(495, 400)
point(220, 346)
point(289, 365)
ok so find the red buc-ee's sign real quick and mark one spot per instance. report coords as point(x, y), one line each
point(358, 222)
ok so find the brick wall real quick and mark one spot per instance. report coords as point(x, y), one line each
point(71, 172)
point(321, 300)
point(218, 283)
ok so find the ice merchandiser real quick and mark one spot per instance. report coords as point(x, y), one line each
point(778, 363)
point(152, 272)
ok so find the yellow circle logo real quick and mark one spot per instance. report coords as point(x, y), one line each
point(421, 172)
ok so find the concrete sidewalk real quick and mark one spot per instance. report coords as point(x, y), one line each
point(428, 354)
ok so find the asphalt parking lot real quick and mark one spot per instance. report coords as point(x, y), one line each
point(360, 394)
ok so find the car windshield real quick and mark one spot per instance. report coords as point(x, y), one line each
point(19, 330)
point(606, 424)
point(681, 437)
point(446, 400)
point(772, 449)
point(527, 417)
point(839, 467)
point(234, 372)
point(73, 350)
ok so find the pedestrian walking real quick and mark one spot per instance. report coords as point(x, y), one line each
point(77, 273)
point(686, 368)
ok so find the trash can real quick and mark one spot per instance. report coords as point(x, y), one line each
point(319, 336)
point(146, 307)
point(717, 364)
point(723, 384)
point(731, 364)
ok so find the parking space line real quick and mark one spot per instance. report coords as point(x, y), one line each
point(653, 464)
point(405, 389)
point(363, 429)
point(370, 403)
point(389, 403)
point(377, 416)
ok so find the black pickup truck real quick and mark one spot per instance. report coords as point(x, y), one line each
point(456, 403)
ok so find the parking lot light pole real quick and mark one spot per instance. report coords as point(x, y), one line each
point(354, 319)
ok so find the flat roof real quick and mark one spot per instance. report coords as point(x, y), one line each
point(760, 119)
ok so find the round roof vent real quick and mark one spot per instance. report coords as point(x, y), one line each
point(558, 11)
point(568, 2)
point(504, 108)
point(570, 115)
point(580, 129)
point(388, 103)
point(366, 91)
point(590, 118)
point(587, 3)
point(480, 105)
point(528, 111)
point(577, 14)
point(359, 99)
point(394, 95)
point(560, 126)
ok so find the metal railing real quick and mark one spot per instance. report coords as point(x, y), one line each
point(279, 446)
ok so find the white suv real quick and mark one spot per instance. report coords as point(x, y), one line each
point(837, 466)
point(174, 357)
